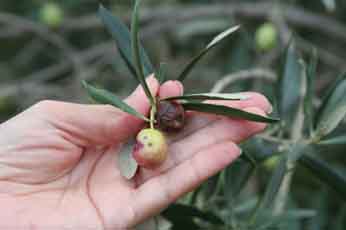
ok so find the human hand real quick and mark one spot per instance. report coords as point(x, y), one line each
point(58, 162)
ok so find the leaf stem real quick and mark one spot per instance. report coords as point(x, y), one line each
point(152, 115)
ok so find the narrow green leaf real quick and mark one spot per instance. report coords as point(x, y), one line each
point(327, 95)
point(211, 45)
point(105, 97)
point(211, 96)
point(310, 72)
point(121, 35)
point(227, 111)
point(325, 172)
point(290, 85)
point(249, 158)
point(260, 149)
point(340, 140)
point(334, 110)
point(135, 46)
point(161, 74)
point(126, 163)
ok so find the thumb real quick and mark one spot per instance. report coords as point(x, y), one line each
point(86, 125)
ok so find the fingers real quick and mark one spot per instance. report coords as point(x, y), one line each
point(170, 89)
point(160, 191)
point(218, 131)
point(97, 124)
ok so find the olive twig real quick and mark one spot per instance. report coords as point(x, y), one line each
point(152, 116)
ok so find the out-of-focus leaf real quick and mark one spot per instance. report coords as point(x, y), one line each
point(271, 190)
point(249, 158)
point(126, 163)
point(326, 173)
point(240, 57)
point(293, 154)
point(290, 85)
point(297, 151)
point(177, 212)
point(340, 222)
point(260, 149)
point(121, 35)
point(135, 46)
point(310, 72)
point(210, 96)
point(246, 206)
point(227, 111)
point(320, 203)
point(334, 109)
point(203, 26)
point(211, 45)
point(105, 97)
point(236, 177)
point(288, 216)
point(328, 93)
point(161, 74)
point(341, 140)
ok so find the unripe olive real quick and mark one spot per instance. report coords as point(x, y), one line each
point(266, 37)
point(151, 148)
point(271, 162)
point(51, 14)
point(170, 116)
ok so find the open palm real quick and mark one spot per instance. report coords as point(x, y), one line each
point(58, 162)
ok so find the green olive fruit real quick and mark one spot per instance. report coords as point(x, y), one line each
point(266, 37)
point(271, 162)
point(51, 14)
point(151, 148)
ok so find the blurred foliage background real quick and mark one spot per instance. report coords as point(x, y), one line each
point(48, 47)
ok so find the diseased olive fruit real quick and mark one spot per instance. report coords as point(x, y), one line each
point(151, 148)
point(170, 116)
